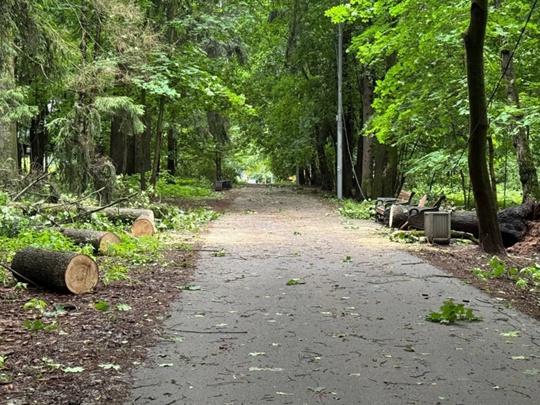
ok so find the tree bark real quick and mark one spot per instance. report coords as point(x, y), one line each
point(171, 152)
point(513, 222)
point(368, 89)
point(159, 137)
point(39, 140)
point(525, 160)
point(59, 271)
point(143, 148)
point(489, 231)
point(117, 145)
point(101, 241)
point(327, 179)
point(8, 130)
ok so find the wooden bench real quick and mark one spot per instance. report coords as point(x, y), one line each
point(383, 204)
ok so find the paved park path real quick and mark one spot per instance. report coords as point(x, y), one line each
point(352, 331)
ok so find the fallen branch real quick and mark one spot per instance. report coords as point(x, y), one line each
point(20, 276)
point(44, 175)
point(112, 204)
point(210, 332)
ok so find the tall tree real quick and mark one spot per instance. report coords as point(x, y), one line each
point(527, 169)
point(8, 128)
point(488, 223)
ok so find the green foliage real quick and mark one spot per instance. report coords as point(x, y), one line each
point(145, 249)
point(37, 324)
point(35, 303)
point(4, 198)
point(12, 221)
point(42, 239)
point(170, 187)
point(356, 210)
point(102, 306)
point(220, 253)
point(451, 313)
point(497, 269)
point(5, 278)
point(13, 106)
point(115, 273)
point(522, 278)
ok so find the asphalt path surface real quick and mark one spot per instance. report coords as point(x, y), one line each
point(350, 330)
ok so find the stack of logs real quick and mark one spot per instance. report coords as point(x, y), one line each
point(72, 272)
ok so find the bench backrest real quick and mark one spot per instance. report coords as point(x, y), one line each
point(405, 196)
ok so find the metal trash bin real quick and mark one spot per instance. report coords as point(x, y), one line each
point(437, 227)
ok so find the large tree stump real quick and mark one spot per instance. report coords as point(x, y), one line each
point(398, 215)
point(59, 271)
point(101, 241)
point(144, 224)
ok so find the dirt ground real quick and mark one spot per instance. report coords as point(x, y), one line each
point(88, 358)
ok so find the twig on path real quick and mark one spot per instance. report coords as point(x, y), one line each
point(210, 332)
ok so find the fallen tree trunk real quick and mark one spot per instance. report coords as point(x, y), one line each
point(101, 241)
point(59, 271)
point(144, 224)
point(125, 215)
point(512, 222)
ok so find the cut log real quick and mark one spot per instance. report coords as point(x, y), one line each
point(144, 224)
point(398, 215)
point(124, 214)
point(59, 271)
point(101, 241)
point(512, 221)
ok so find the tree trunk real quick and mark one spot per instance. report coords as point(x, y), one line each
point(347, 164)
point(327, 179)
point(171, 152)
point(491, 168)
point(525, 160)
point(59, 271)
point(159, 136)
point(101, 241)
point(489, 232)
point(8, 130)
point(39, 140)
point(390, 182)
point(117, 145)
point(513, 222)
point(368, 88)
point(358, 168)
point(143, 149)
point(378, 168)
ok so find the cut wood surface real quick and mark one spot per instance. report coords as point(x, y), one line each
point(101, 241)
point(59, 271)
point(144, 224)
point(398, 215)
